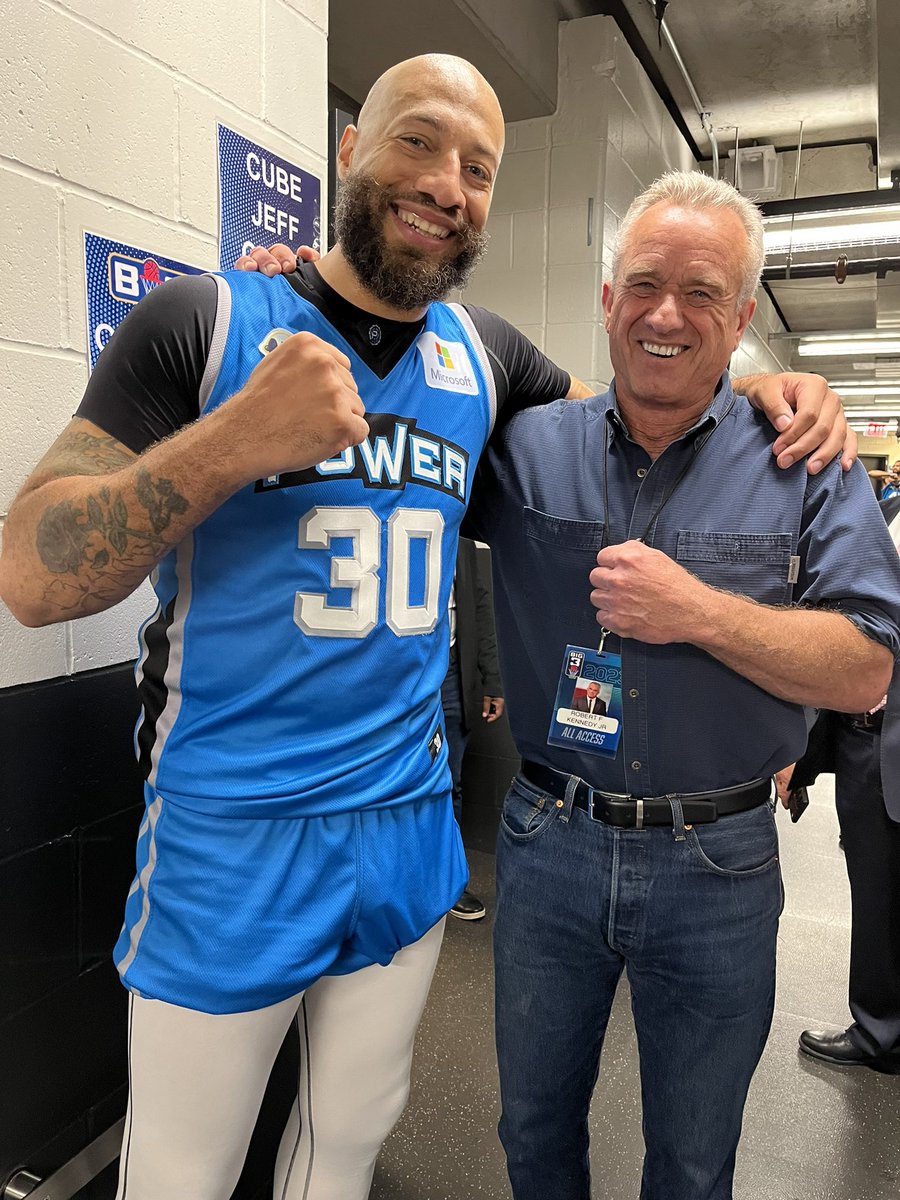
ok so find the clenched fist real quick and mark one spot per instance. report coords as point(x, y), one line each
point(299, 407)
point(641, 593)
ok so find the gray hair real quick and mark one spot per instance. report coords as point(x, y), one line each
point(691, 189)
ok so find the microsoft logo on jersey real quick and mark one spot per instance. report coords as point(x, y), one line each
point(446, 365)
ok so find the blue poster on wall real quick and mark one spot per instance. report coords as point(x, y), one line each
point(262, 199)
point(116, 278)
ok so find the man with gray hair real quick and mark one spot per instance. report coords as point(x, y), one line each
point(644, 839)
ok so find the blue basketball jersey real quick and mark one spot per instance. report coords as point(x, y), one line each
point(294, 664)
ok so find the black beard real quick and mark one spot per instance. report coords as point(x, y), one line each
point(398, 276)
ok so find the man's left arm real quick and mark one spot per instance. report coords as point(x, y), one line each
point(804, 655)
point(805, 411)
point(807, 656)
point(808, 416)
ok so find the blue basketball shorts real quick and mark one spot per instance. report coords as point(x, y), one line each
point(232, 914)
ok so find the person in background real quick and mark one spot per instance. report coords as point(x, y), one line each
point(862, 751)
point(472, 686)
point(890, 481)
point(892, 484)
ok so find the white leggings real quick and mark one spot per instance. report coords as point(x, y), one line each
point(197, 1081)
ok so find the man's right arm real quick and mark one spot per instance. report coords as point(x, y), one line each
point(94, 518)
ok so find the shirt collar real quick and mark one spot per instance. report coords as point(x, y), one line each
point(718, 408)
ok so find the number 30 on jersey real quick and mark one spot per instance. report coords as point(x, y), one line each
point(359, 572)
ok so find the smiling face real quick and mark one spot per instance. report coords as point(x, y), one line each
point(593, 691)
point(672, 311)
point(418, 175)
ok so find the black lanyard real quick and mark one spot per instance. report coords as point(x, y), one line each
point(654, 517)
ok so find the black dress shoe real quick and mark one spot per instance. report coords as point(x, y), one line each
point(468, 907)
point(841, 1050)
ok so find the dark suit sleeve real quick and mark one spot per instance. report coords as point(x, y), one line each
point(488, 665)
point(821, 746)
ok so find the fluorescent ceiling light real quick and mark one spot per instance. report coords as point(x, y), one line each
point(862, 389)
point(867, 384)
point(826, 231)
point(821, 349)
point(849, 335)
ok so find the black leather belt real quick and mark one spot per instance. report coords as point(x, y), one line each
point(631, 812)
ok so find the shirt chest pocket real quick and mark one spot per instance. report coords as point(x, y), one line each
point(563, 532)
point(563, 553)
point(757, 565)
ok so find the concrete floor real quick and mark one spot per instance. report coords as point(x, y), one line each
point(811, 1132)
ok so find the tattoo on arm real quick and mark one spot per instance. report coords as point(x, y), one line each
point(70, 537)
point(92, 545)
point(77, 452)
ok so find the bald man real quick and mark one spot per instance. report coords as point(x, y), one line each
point(299, 853)
point(290, 461)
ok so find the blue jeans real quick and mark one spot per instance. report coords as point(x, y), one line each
point(691, 913)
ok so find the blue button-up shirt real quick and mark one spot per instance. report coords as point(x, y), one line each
point(735, 520)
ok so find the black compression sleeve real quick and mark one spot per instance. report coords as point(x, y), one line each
point(524, 376)
point(146, 383)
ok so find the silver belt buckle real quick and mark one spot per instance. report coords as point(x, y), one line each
point(639, 814)
point(592, 795)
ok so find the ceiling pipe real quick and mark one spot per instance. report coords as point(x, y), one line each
point(703, 112)
point(879, 267)
point(827, 204)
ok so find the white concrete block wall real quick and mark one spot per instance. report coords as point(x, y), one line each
point(888, 446)
point(108, 115)
point(515, 266)
point(756, 353)
point(296, 77)
point(610, 137)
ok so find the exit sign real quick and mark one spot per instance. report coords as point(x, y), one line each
point(876, 429)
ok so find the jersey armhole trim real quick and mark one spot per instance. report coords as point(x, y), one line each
point(481, 350)
point(494, 357)
point(217, 345)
